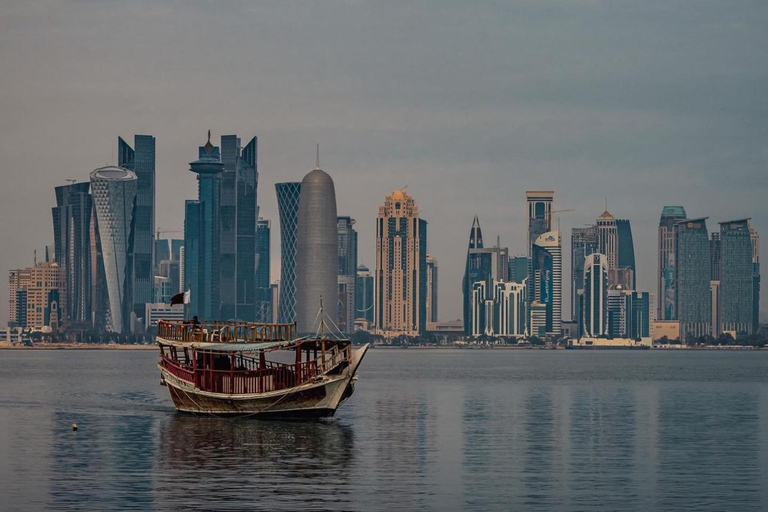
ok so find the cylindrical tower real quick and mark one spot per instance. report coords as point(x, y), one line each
point(317, 251)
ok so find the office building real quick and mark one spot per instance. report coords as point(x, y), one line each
point(666, 258)
point(263, 271)
point(539, 214)
point(71, 232)
point(141, 160)
point(755, 238)
point(518, 268)
point(640, 314)
point(625, 260)
point(364, 295)
point(317, 254)
point(114, 201)
point(736, 278)
point(608, 241)
point(201, 235)
point(431, 288)
point(163, 311)
point(347, 268)
point(499, 310)
point(692, 278)
point(594, 296)
point(288, 209)
point(545, 284)
point(238, 214)
point(401, 259)
point(583, 243)
point(714, 256)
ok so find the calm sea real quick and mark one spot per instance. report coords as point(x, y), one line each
point(425, 430)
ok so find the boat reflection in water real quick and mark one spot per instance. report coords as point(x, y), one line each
point(208, 464)
point(235, 368)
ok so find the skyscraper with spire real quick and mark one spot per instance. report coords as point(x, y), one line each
point(482, 265)
point(201, 235)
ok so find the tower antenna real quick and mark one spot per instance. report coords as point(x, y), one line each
point(317, 158)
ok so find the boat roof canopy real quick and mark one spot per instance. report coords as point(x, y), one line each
point(207, 346)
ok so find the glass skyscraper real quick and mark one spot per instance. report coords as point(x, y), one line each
point(583, 243)
point(347, 272)
point(626, 257)
point(288, 209)
point(692, 278)
point(364, 294)
point(238, 215)
point(72, 240)
point(736, 278)
point(141, 160)
point(666, 278)
point(114, 192)
point(546, 285)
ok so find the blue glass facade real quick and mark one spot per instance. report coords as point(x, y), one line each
point(626, 249)
point(583, 243)
point(692, 283)
point(288, 209)
point(736, 278)
point(72, 240)
point(141, 160)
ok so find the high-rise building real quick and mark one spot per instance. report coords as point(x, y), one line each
point(71, 231)
point(288, 209)
point(639, 315)
point(317, 254)
point(666, 278)
point(539, 214)
point(201, 235)
point(263, 273)
point(431, 288)
point(41, 295)
point(755, 277)
point(625, 261)
point(238, 214)
point(518, 268)
point(483, 264)
point(141, 160)
point(114, 192)
point(692, 278)
point(498, 311)
point(608, 240)
point(401, 259)
point(364, 295)
point(546, 283)
point(162, 251)
point(594, 296)
point(714, 256)
point(18, 280)
point(583, 243)
point(347, 250)
point(736, 278)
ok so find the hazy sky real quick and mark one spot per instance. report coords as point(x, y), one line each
point(467, 103)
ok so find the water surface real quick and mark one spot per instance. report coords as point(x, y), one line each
point(425, 430)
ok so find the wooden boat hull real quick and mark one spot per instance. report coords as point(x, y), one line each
point(313, 400)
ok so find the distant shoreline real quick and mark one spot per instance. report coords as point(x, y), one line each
point(78, 346)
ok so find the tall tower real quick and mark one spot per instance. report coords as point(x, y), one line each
point(594, 318)
point(288, 209)
point(114, 201)
point(539, 214)
point(666, 278)
point(692, 278)
point(141, 160)
point(736, 278)
point(317, 255)
point(201, 235)
point(431, 288)
point(364, 295)
point(71, 231)
point(547, 284)
point(400, 280)
point(347, 245)
point(238, 213)
point(755, 238)
point(625, 261)
point(263, 275)
point(608, 239)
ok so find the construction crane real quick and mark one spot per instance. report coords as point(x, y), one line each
point(159, 232)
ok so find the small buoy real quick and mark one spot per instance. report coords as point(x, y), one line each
point(74, 426)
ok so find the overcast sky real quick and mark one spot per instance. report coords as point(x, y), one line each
point(467, 103)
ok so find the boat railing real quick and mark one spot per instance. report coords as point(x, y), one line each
point(333, 357)
point(225, 332)
point(246, 378)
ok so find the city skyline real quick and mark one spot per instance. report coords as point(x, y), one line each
point(474, 148)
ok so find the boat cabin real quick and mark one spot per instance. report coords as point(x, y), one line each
point(247, 358)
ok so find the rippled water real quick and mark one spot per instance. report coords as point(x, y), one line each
point(425, 430)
